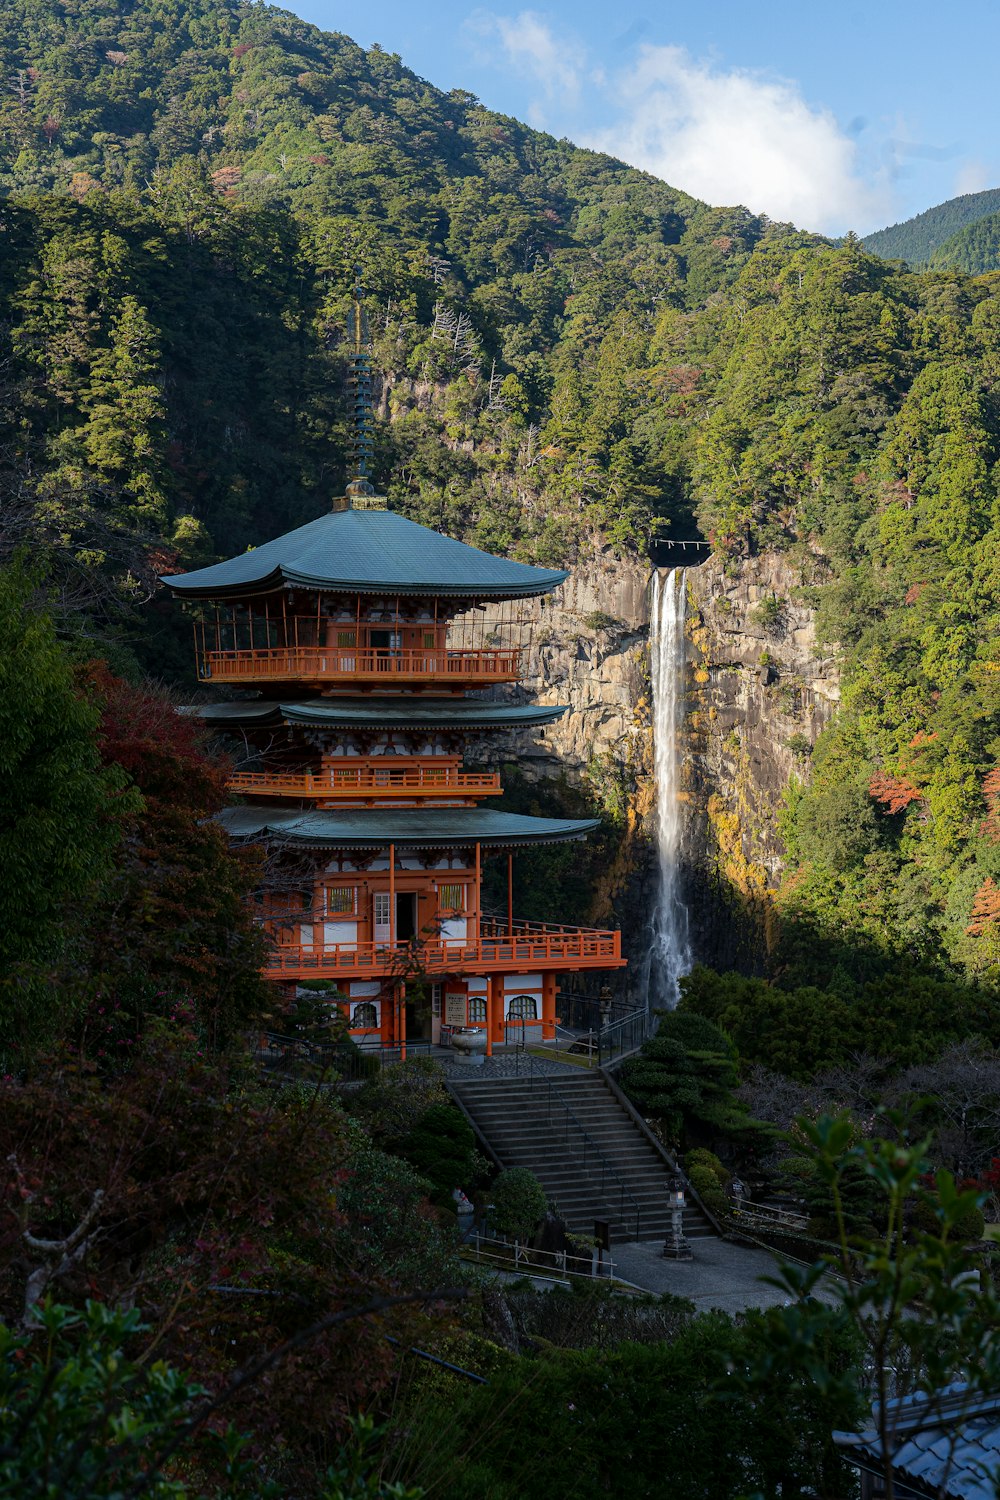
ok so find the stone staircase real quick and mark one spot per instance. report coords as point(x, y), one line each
point(592, 1158)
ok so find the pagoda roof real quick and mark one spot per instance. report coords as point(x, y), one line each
point(404, 712)
point(366, 551)
point(413, 828)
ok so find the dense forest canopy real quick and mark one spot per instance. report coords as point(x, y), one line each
point(918, 240)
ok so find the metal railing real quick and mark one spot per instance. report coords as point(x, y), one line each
point(327, 663)
point(296, 1058)
point(591, 1148)
point(623, 1037)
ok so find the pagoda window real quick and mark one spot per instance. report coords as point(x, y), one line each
point(477, 1010)
point(347, 637)
point(523, 1008)
point(342, 900)
point(452, 897)
point(365, 1016)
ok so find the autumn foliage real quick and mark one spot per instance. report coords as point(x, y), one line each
point(894, 793)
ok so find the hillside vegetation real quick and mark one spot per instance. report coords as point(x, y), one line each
point(918, 239)
point(569, 347)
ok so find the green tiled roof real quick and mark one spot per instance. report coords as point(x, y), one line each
point(367, 551)
point(414, 828)
point(382, 713)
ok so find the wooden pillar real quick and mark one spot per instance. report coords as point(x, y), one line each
point(548, 1007)
point(392, 895)
point(490, 1010)
point(510, 895)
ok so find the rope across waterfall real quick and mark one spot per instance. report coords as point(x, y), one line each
point(669, 948)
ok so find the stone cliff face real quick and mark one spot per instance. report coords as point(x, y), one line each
point(759, 692)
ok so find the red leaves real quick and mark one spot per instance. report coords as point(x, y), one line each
point(990, 826)
point(895, 793)
point(985, 908)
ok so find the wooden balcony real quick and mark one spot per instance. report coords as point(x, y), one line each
point(371, 784)
point(359, 667)
point(529, 945)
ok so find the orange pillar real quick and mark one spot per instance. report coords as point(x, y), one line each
point(548, 1007)
point(392, 895)
point(490, 1007)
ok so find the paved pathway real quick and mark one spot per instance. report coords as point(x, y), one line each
point(500, 1065)
point(719, 1275)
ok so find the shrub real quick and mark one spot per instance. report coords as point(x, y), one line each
point(519, 1202)
point(442, 1147)
point(967, 1228)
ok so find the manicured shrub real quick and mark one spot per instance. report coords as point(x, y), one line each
point(519, 1202)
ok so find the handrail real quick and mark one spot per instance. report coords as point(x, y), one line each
point(606, 1168)
point(582, 945)
point(342, 782)
point(632, 1030)
point(351, 661)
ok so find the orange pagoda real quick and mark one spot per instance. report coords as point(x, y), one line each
point(365, 666)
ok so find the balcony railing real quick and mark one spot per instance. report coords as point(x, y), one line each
point(528, 945)
point(363, 782)
point(350, 664)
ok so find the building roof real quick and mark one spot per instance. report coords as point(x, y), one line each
point(946, 1445)
point(366, 551)
point(414, 828)
point(403, 712)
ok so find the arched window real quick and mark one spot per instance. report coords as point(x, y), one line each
point(477, 1010)
point(365, 1015)
point(523, 1008)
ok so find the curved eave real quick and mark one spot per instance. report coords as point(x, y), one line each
point(462, 717)
point(286, 578)
point(405, 828)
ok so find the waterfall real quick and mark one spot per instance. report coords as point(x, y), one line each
point(669, 948)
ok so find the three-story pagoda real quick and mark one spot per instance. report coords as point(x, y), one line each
point(363, 641)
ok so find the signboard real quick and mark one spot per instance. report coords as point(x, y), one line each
point(454, 1007)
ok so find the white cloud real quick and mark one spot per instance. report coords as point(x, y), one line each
point(738, 137)
point(728, 137)
point(973, 177)
point(556, 65)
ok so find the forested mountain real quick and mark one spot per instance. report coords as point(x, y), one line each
point(567, 346)
point(916, 240)
point(975, 249)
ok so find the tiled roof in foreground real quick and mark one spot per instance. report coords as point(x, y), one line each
point(400, 712)
point(366, 551)
point(414, 828)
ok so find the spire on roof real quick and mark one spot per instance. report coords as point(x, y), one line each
point(361, 449)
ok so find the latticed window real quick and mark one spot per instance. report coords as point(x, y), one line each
point(380, 908)
point(341, 900)
point(477, 1010)
point(365, 1015)
point(452, 897)
point(347, 638)
point(428, 638)
point(523, 1008)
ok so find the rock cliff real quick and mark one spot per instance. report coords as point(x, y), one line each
point(759, 692)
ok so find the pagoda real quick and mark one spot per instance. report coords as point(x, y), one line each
point(367, 667)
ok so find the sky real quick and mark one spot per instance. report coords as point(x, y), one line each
point(836, 117)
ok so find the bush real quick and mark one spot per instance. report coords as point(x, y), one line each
point(967, 1228)
point(519, 1202)
point(442, 1147)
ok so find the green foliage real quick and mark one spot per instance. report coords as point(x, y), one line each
point(920, 240)
point(442, 1148)
point(518, 1202)
point(78, 1416)
point(911, 1300)
point(673, 1416)
point(973, 249)
point(62, 817)
point(684, 1076)
point(905, 1016)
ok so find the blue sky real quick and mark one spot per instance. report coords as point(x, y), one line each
point(837, 117)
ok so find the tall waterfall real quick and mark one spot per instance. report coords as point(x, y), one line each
point(669, 948)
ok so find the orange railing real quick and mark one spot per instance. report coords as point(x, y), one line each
point(363, 781)
point(546, 948)
point(328, 664)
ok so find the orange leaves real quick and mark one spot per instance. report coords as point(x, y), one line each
point(895, 793)
point(985, 907)
point(990, 826)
